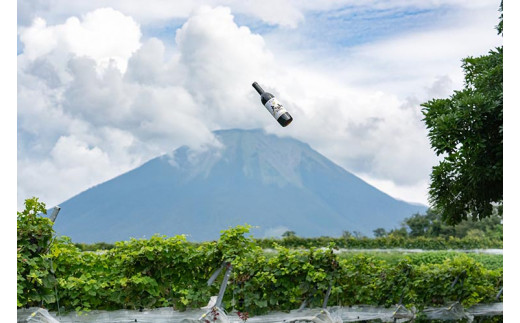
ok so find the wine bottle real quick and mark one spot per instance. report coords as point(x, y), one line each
point(273, 106)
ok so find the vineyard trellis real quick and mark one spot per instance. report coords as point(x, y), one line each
point(170, 272)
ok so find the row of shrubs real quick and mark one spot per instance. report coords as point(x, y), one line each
point(387, 242)
point(162, 271)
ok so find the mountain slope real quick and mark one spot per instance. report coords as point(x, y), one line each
point(274, 183)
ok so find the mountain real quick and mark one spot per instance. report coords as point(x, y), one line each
point(277, 184)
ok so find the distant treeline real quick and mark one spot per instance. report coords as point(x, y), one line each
point(388, 242)
point(420, 231)
point(431, 225)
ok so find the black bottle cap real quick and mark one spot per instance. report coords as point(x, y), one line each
point(258, 88)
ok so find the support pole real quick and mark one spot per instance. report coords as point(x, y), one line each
point(54, 214)
point(223, 285)
point(215, 274)
point(499, 293)
point(327, 294)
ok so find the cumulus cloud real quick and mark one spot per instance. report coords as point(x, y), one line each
point(96, 100)
point(363, 131)
point(104, 35)
point(69, 167)
point(417, 56)
point(126, 106)
point(223, 60)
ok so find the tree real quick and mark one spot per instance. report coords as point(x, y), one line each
point(380, 232)
point(358, 234)
point(401, 232)
point(467, 130)
point(419, 225)
point(431, 225)
point(288, 234)
point(428, 225)
point(346, 234)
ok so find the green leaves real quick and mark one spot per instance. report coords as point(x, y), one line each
point(391, 241)
point(234, 245)
point(467, 130)
point(170, 271)
point(34, 234)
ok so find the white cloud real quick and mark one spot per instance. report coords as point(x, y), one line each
point(363, 131)
point(401, 63)
point(71, 151)
point(415, 193)
point(284, 13)
point(70, 167)
point(104, 35)
point(223, 60)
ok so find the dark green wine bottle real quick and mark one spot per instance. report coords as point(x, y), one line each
point(273, 106)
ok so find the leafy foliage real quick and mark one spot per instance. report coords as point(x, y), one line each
point(380, 232)
point(488, 261)
point(388, 242)
point(467, 129)
point(163, 271)
point(473, 238)
point(431, 224)
point(34, 273)
point(94, 246)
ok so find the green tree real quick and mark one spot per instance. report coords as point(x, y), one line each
point(401, 232)
point(358, 234)
point(466, 129)
point(346, 234)
point(428, 225)
point(380, 232)
point(288, 234)
point(431, 225)
point(419, 225)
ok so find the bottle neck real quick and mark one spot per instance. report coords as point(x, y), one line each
point(258, 88)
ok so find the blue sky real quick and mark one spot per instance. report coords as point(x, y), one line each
point(103, 86)
point(347, 27)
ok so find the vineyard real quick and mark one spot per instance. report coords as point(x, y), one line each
point(172, 272)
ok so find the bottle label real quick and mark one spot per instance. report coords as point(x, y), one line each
point(275, 108)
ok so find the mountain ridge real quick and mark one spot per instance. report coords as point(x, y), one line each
point(276, 183)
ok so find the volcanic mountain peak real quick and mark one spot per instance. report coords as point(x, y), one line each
point(248, 176)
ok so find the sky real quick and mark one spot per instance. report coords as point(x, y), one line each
point(104, 86)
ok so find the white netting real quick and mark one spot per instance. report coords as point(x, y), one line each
point(35, 315)
point(323, 316)
point(330, 315)
point(366, 313)
point(454, 312)
point(495, 309)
